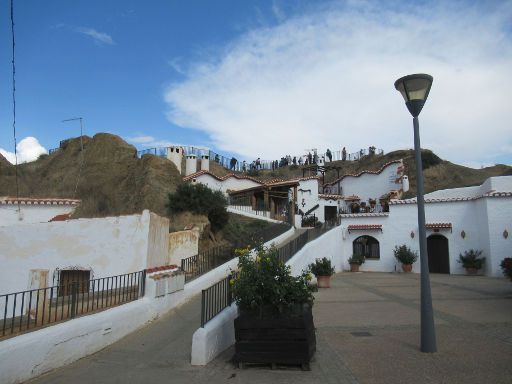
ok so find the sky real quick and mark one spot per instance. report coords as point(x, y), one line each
point(258, 78)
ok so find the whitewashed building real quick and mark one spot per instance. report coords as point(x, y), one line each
point(457, 220)
point(26, 210)
point(230, 182)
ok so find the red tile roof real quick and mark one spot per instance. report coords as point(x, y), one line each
point(240, 177)
point(161, 268)
point(351, 198)
point(63, 217)
point(364, 227)
point(438, 225)
point(452, 199)
point(38, 201)
point(330, 197)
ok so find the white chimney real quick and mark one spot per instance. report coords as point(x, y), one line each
point(175, 154)
point(191, 165)
point(205, 162)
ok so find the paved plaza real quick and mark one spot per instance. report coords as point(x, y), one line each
point(367, 332)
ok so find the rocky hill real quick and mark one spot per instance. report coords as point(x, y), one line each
point(111, 180)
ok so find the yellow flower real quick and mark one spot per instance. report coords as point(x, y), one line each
point(308, 277)
point(232, 282)
point(258, 259)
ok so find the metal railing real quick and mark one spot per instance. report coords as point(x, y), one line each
point(35, 308)
point(215, 298)
point(239, 166)
point(219, 296)
point(203, 262)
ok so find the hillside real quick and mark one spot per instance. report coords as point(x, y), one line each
point(113, 181)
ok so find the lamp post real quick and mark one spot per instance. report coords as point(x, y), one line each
point(415, 90)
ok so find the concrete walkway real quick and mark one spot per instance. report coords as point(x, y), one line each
point(367, 332)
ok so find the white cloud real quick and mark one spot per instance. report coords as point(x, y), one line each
point(325, 79)
point(98, 37)
point(140, 139)
point(27, 149)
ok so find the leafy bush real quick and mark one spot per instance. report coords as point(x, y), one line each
point(471, 259)
point(200, 199)
point(357, 259)
point(506, 267)
point(321, 267)
point(264, 280)
point(405, 255)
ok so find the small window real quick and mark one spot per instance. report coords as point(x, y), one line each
point(366, 246)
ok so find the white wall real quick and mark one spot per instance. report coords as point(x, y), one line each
point(107, 246)
point(183, 244)
point(230, 183)
point(31, 213)
point(500, 214)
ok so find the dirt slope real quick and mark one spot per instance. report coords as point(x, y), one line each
point(112, 181)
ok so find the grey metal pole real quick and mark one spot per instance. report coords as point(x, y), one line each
point(428, 332)
point(81, 134)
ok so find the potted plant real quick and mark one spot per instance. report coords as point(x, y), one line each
point(355, 262)
point(472, 261)
point(323, 270)
point(275, 322)
point(506, 267)
point(406, 256)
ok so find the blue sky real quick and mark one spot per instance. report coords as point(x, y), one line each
point(260, 78)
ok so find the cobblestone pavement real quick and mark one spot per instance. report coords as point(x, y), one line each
point(367, 332)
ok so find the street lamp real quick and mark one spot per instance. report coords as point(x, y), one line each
point(415, 90)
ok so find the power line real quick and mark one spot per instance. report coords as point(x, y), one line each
point(14, 108)
point(81, 152)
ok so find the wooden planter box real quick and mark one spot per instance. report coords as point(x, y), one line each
point(270, 337)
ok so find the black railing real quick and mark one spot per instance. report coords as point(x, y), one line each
point(35, 308)
point(203, 262)
point(215, 298)
point(219, 296)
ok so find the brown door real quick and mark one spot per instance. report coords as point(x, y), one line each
point(68, 277)
point(438, 256)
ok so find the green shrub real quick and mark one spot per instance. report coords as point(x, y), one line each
point(200, 199)
point(506, 267)
point(321, 267)
point(405, 255)
point(357, 259)
point(472, 259)
point(265, 281)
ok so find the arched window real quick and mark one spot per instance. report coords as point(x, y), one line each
point(367, 246)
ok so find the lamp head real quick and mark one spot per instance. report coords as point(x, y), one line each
point(415, 90)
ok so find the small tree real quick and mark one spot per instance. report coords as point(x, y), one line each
point(200, 199)
point(405, 255)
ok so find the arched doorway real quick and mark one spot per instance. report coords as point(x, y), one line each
point(438, 255)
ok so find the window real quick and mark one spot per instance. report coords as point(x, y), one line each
point(367, 246)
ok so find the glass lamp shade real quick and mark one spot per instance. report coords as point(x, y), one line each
point(414, 90)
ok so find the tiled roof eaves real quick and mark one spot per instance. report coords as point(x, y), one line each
point(356, 215)
point(363, 172)
point(38, 201)
point(329, 197)
point(452, 199)
point(203, 172)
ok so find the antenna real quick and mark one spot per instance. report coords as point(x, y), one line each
point(81, 129)
point(81, 151)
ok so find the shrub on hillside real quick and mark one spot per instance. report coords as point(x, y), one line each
point(200, 199)
point(429, 159)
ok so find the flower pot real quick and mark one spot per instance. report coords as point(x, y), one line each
point(323, 281)
point(354, 267)
point(471, 271)
point(407, 267)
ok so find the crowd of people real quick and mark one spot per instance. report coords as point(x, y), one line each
point(310, 158)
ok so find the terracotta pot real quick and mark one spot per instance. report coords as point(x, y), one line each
point(323, 281)
point(354, 267)
point(407, 267)
point(471, 271)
